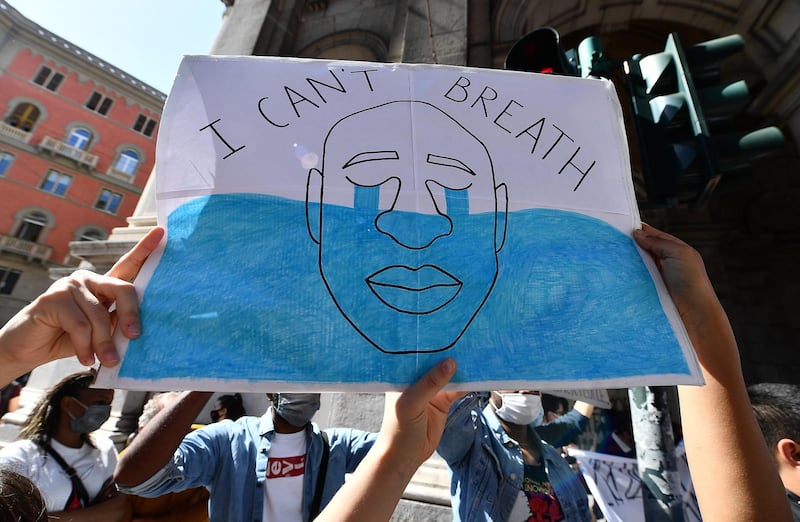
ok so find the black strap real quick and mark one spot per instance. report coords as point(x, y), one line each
point(77, 485)
point(323, 470)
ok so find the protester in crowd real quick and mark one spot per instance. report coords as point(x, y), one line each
point(9, 394)
point(20, 500)
point(72, 317)
point(777, 410)
point(500, 467)
point(55, 450)
point(563, 428)
point(733, 475)
point(554, 407)
point(228, 407)
point(280, 466)
point(616, 437)
point(190, 505)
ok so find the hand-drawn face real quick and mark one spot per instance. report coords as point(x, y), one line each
point(408, 228)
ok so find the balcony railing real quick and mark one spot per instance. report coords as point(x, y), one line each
point(33, 251)
point(15, 133)
point(62, 149)
point(118, 174)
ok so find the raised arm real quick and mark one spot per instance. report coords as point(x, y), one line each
point(156, 443)
point(727, 456)
point(412, 425)
point(72, 317)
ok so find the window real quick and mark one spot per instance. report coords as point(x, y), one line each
point(98, 102)
point(6, 160)
point(48, 78)
point(108, 201)
point(91, 234)
point(24, 116)
point(127, 162)
point(31, 227)
point(79, 138)
point(8, 279)
point(56, 183)
point(144, 125)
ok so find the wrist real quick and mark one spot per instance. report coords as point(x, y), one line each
point(401, 462)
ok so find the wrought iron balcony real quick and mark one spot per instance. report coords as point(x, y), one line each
point(29, 249)
point(68, 151)
point(14, 132)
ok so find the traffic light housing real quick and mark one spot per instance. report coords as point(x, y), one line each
point(539, 51)
point(677, 100)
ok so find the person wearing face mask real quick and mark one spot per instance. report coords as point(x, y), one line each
point(228, 407)
point(71, 468)
point(501, 469)
point(277, 467)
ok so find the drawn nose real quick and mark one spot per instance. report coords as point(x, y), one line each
point(413, 230)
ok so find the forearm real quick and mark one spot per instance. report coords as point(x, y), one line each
point(372, 492)
point(114, 510)
point(718, 424)
point(156, 443)
point(12, 343)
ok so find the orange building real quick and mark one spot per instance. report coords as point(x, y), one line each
point(77, 145)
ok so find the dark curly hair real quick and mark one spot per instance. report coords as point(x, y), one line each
point(20, 499)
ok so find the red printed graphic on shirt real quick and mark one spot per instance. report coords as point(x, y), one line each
point(281, 467)
point(542, 501)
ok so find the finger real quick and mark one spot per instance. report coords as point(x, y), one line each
point(99, 319)
point(660, 244)
point(417, 396)
point(129, 265)
point(71, 318)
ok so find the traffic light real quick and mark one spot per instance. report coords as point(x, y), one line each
point(539, 51)
point(678, 104)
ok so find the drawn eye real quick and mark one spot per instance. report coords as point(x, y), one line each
point(456, 175)
point(368, 169)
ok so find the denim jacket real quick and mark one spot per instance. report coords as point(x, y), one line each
point(487, 469)
point(230, 459)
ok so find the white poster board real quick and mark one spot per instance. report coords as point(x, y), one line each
point(345, 225)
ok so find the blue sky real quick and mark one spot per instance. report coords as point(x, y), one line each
point(145, 38)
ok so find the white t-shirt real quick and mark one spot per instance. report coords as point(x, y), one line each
point(283, 489)
point(94, 466)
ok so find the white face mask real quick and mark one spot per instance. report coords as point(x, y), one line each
point(520, 408)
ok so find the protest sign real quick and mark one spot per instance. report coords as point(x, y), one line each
point(345, 225)
point(597, 398)
point(616, 487)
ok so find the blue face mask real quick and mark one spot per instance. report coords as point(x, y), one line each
point(297, 408)
point(91, 420)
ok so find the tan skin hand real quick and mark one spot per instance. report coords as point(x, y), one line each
point(72, 317)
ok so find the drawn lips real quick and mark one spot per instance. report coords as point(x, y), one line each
point(414, 290)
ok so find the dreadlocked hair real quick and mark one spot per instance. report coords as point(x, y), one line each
point(46, 415)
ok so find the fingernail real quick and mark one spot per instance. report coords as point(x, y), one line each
point(134, 330)
point(110, 357)
point(448, 365)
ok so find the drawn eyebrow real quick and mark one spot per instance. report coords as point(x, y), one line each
point(445, 161)
point(373, 155)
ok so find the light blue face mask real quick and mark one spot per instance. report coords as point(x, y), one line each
point(297, 408)
point(91, 420)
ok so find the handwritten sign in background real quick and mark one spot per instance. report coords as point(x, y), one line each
point(345, 225)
